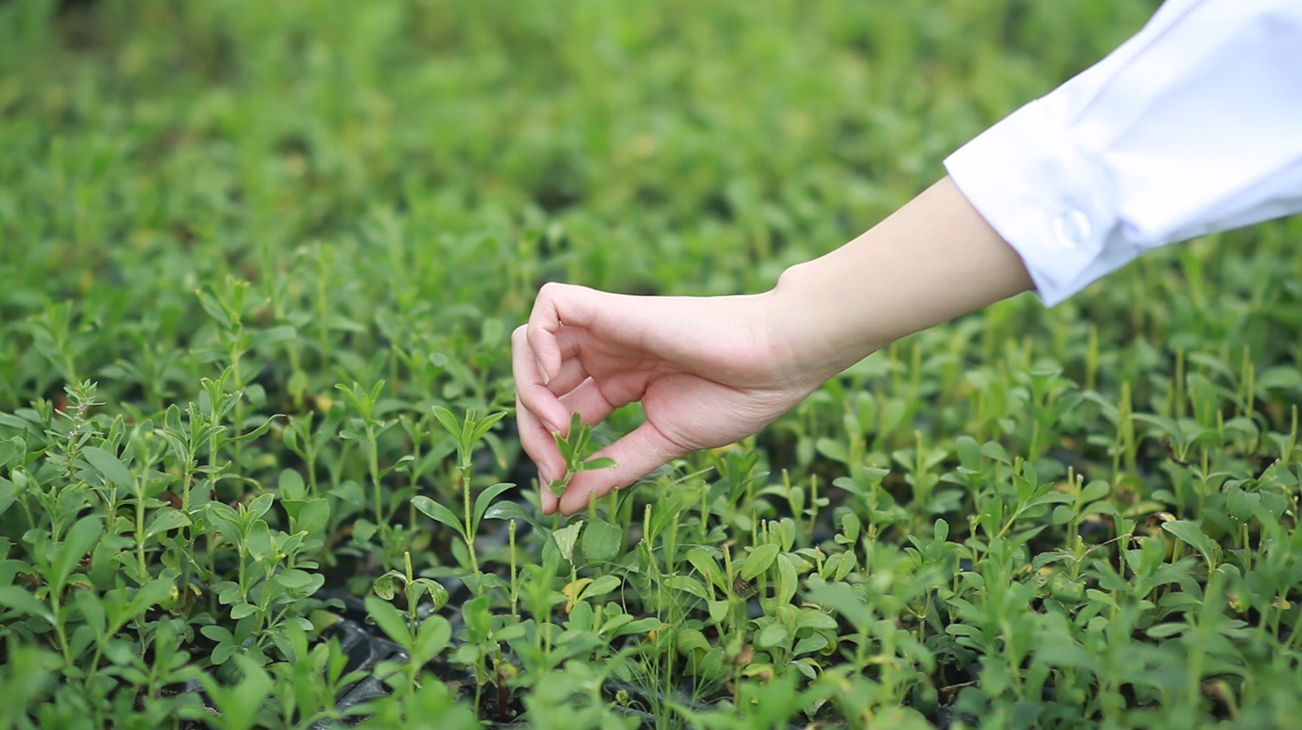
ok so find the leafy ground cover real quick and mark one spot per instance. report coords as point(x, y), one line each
point(260, 261)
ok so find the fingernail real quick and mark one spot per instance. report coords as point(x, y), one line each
point(556, 430)
point(543, 372)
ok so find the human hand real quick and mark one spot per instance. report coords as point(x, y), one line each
point(708, 371)
point(712, 370)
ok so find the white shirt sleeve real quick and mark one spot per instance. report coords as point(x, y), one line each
point(1194, 125)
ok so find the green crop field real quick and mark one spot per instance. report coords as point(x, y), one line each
point(259, 265)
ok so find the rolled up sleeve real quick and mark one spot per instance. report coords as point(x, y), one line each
point(1194, 125)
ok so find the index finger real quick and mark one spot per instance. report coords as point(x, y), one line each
point(557, 305)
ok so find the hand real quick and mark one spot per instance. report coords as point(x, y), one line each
point(708, 370)
point(712, 370)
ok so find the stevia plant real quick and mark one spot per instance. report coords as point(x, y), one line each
point(573, 446)
point(223, 226)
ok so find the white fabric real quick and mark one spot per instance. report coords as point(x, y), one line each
point(1194, 125)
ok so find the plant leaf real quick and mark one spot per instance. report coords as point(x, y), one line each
point(432, 637)
point(80, 539)
point(438, 513)
point(447, 421)
point(840, 598)
point(20, 600)
point(602, 541)
point(485, 499)
point(565, 539)
point(166, 519)
point(508, 510)
point(1191, 533)
point(759, 560)
point(597, 462)
point(772, 635)
point(109, 466)
point(389, 620)
point(601, 586)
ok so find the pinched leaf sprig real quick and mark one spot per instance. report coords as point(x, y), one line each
point(572, 448)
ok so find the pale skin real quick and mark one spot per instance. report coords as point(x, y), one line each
point(712, 370)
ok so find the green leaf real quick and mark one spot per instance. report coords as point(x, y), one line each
point(258, 541)
point(774, 634)
point(438, 513)
point(567, 451)
point(969, 452)
point(166, 519)
point(1191, 533)
point(291, 484)
point(12, 450)
point(437, 593)
point(389, 620)
point(706, 565)
point(832, 450)
point(109, 466)
point(687, 584)
point(295, 579)
point(601, 586)
point(432, 638)
point(565, 539)
point(261, 504)
point(486, 498)
point(218, 634)
point(1095, 491)
point(80, 539)
point(759, 560)
point(509, 510)
point(364, 530)
point(809, 644)
point(602, 541)
point(718, 611)
point(448, 421)
point(275, 334)
point(214, 308)
point(1240, 504)
point(483, 427)
point(313, 517)
point(841, 598)
point(479, 621)
point(384, 587)
point(995, 450)
point(150, 594)
point(597, 462)
point(788, 580)
point(223, 652)
point(20, 600)
point(246, 698)
point(640, 626)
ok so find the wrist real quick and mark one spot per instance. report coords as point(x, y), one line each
point(823, 328)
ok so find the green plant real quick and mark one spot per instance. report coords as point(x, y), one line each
point(573, 447)
point(262, 262)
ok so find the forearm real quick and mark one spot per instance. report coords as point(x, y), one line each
point(932, 260)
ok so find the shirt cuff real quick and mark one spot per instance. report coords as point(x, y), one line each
point(1042, 195)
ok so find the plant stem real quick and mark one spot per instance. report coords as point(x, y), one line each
point(470, 532)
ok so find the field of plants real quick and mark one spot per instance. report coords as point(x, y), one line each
point(259, 266)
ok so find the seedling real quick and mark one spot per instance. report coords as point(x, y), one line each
point(1076, 517)
point(573, 447)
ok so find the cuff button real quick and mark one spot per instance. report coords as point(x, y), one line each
point(1071, 229)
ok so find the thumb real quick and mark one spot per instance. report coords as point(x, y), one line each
point(644, 449)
